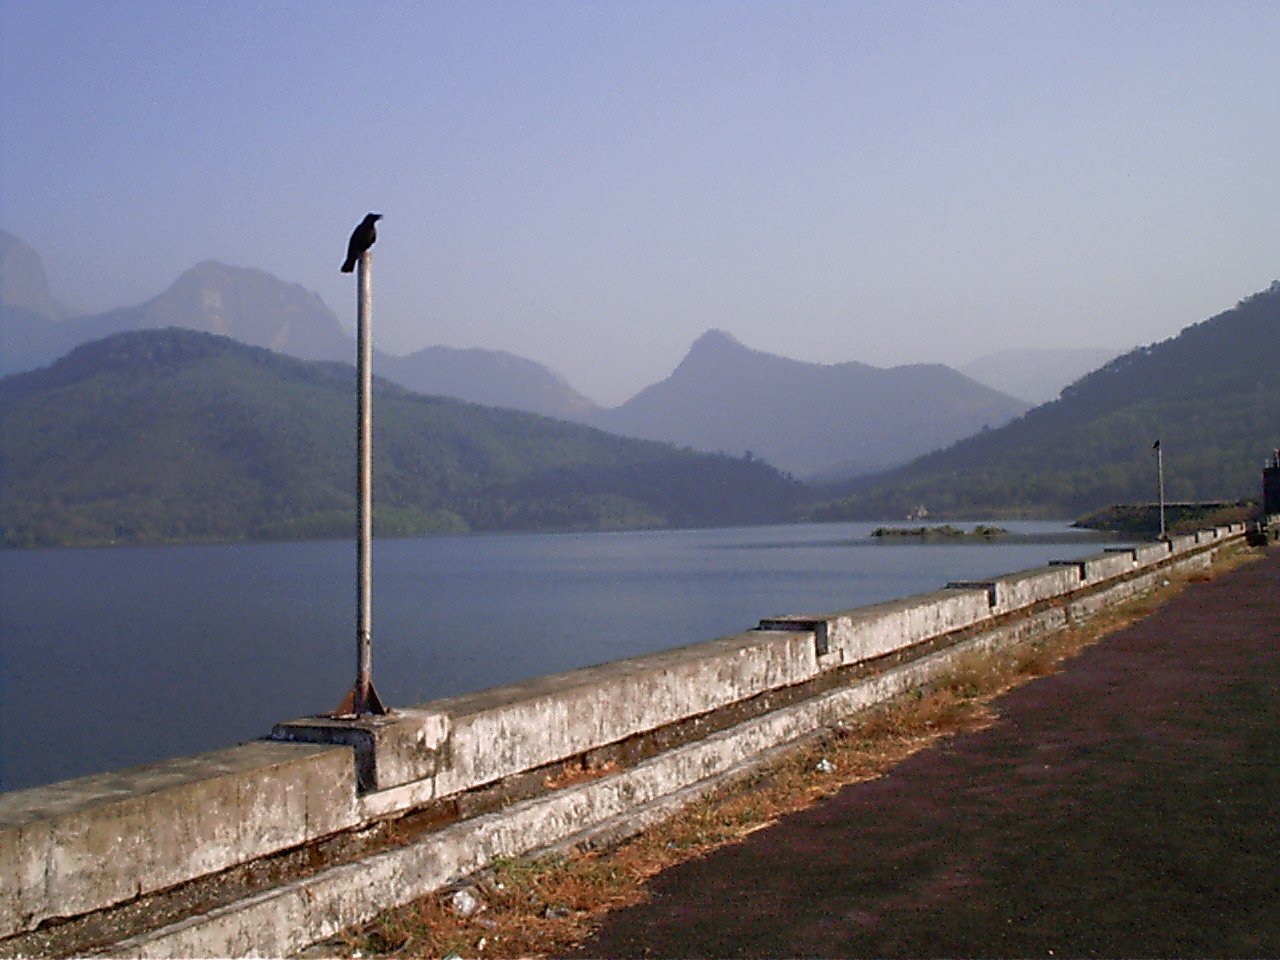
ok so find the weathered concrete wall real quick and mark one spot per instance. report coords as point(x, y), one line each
point(1150, 553)
point(82, 844)
point(278, 924)
point(1017, 590)
point(572, 713)
point(865, 633)
point(491, 734)
point(88, 844)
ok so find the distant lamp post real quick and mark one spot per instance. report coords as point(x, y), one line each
point(363, 698)
point(1160, 477)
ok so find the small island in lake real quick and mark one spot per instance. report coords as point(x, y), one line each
point(982, 531)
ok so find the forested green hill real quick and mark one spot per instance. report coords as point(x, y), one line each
point(1211, 395)
point(173, 435)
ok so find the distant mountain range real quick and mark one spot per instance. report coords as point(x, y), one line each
point(1210, 395)
point(153, 435)
point(1036, 375)
point(173, 435)
point(808, 418)
point(258, 309)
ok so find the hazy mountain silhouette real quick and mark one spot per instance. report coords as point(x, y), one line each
point(808, 418)
point(1036, 375)
point(29, 314)
point(492, 377)
point(1211, 395)
point(23, 284)
point(257, 308)
point(245, 304)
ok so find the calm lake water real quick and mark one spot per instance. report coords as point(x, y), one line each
point(114, 657)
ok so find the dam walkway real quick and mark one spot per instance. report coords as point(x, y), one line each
point(1126, 806)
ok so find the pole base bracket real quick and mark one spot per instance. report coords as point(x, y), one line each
point(372, 705)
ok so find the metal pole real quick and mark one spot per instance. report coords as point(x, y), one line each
point(364, 698)
point(1160, 473)
point(364, 483)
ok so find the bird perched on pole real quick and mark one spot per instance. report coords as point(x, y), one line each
point(362, 238)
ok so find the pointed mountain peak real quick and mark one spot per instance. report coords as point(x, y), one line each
point(715, 346)
point(716, 337)
point(718, 353)
point(715, 343)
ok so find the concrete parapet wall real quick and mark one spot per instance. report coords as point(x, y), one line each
point(80, 845)
point(1017, 590)
point(865, 633)
point(558, 717)
point(311, 909)
point(1143, 555)
point(481, 737)
point(1149, 553)
point(1104, 566)
point(88, 844)
point(403, 746)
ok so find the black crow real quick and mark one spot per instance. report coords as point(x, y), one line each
point(362, 238)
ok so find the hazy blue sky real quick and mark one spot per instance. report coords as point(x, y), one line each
point(593, 185)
